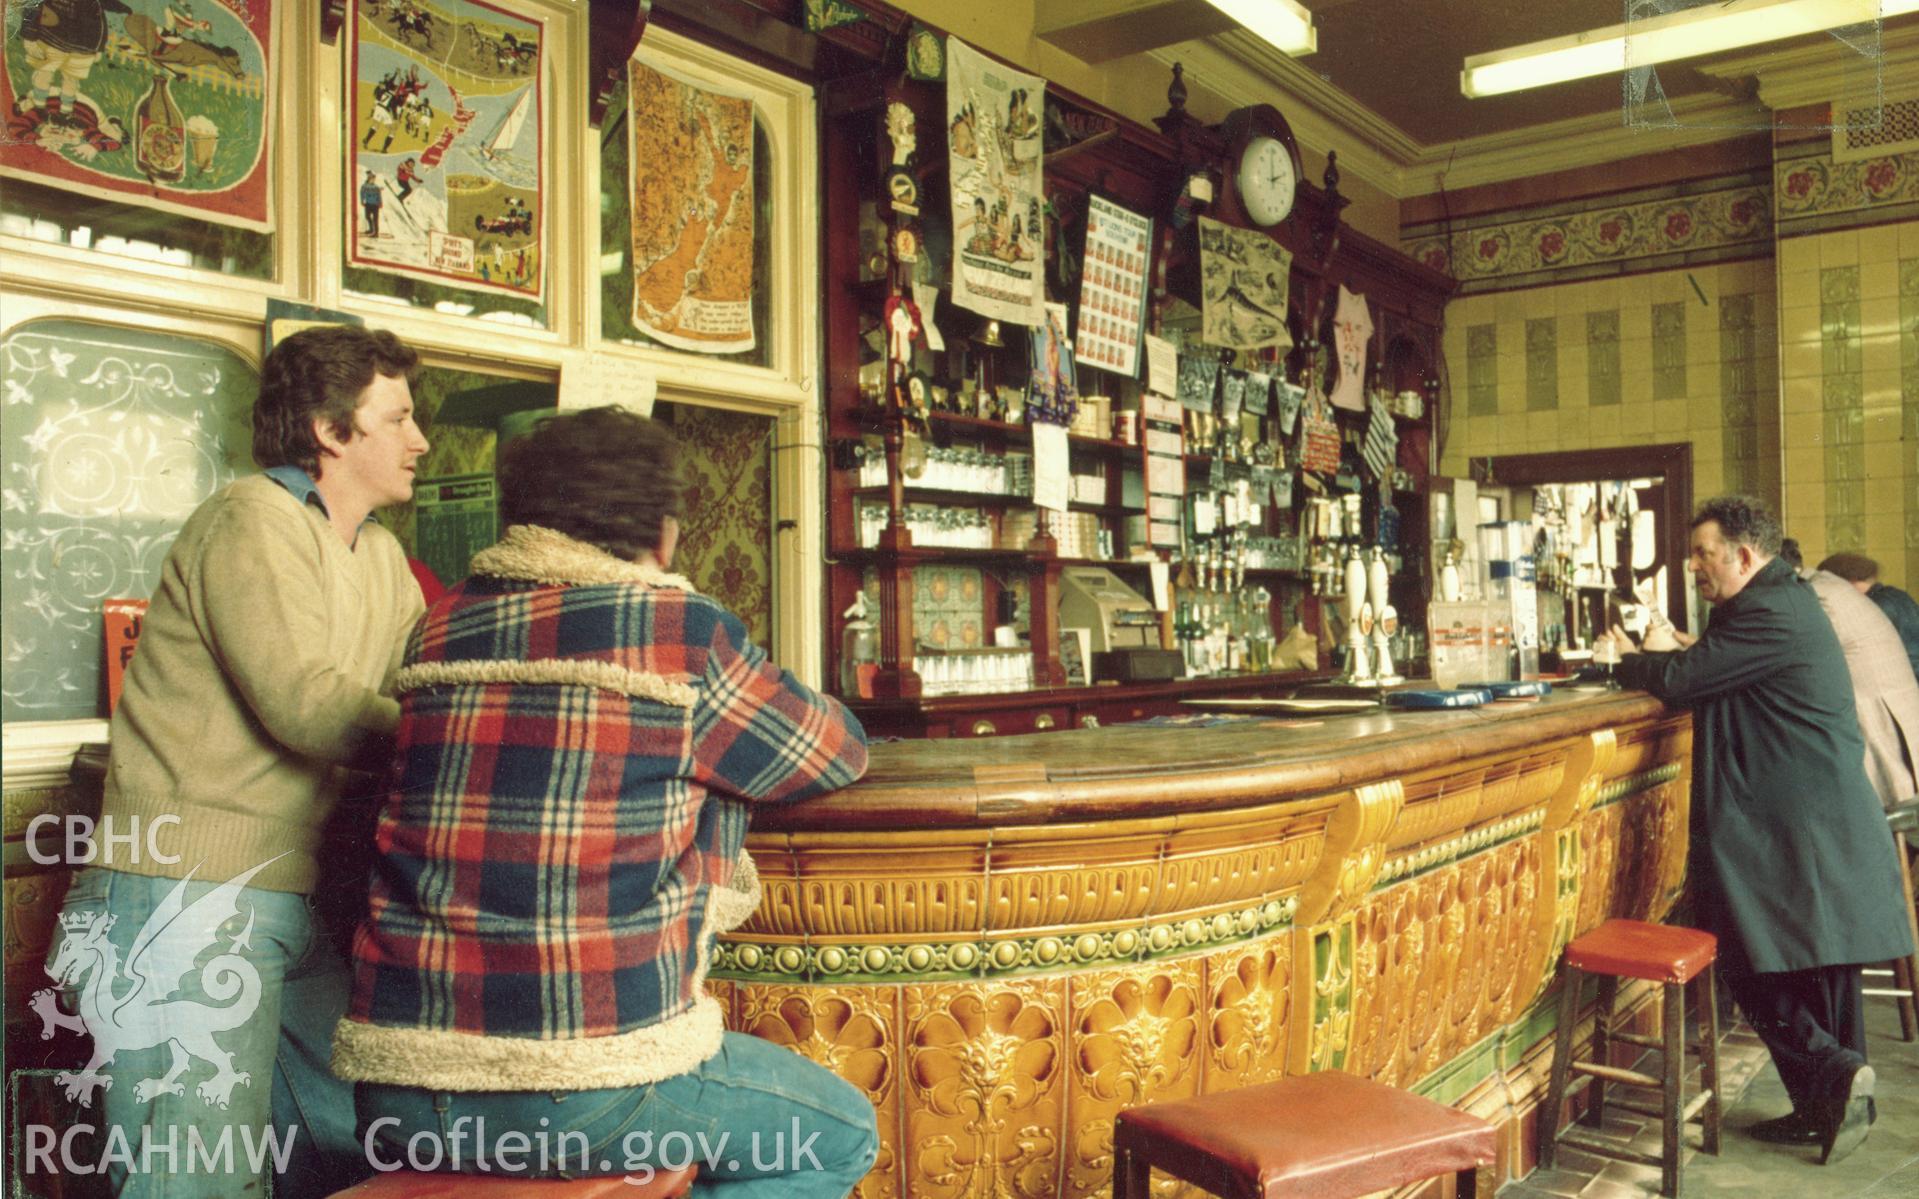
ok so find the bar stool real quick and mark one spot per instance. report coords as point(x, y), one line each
point(407, 1184)
point(1903, 972)
point(1671, 957)
point(1328, 1136)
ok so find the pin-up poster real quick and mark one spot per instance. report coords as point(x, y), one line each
point(160, 103)
point(691, 147)
point(1112, 288)
point(994, 147)
point(448, 127)
point(1243, 278)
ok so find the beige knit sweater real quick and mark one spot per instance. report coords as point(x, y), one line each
point(258, 677)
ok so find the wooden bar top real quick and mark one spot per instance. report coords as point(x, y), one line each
point(1149, 770)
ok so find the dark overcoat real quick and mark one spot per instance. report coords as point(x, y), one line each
point(1791, 862)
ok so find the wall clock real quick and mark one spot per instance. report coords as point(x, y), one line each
point(1268, 180)
point(1265, 164)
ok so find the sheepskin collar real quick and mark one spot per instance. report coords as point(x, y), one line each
point(536, 554)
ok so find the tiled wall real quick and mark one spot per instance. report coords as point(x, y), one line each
point(1849, 325)
point(1683, 355)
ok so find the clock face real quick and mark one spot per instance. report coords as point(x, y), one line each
point(1267, 180)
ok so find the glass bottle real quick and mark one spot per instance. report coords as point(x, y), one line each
point(160, 134)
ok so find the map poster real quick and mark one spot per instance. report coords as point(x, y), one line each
point(692, 205)
point(1243, 276)
point(994, 148)
point(159, 103)
point(1112, 287)
point(446, 154)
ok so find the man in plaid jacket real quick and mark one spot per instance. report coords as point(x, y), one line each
point(581, 737)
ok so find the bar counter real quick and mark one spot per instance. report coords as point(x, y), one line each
point(1006, 941)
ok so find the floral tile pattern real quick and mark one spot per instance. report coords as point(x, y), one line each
point(1842, 419)
point(1602, 357)
point(1542, 364)
point(1729, 216)
point(1739, 393)
point(1482, 370)
point(1669, 351)
point(1818, 186)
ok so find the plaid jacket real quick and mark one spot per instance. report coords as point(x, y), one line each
point(563, 841)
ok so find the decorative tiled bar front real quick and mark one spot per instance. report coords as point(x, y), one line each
point(1007, 941)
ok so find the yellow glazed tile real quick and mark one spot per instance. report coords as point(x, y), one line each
point(1798, 254)
point(1704, 413)
point(1838, 249)
point(1879, 316)
point(1880, 243)
point(1908, 239)
point(1802, 394)
point(1878, 274)
point(1880, 388)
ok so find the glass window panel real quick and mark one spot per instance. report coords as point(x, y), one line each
point(113, 437)
point(59, 217)
point(616, 250)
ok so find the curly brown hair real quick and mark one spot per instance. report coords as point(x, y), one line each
point(605, 476)
point(1743, 518)
point(320, 373)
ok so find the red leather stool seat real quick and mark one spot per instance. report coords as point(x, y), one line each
point(406, 1184)
point(1319, 1135)
point(1659, 953)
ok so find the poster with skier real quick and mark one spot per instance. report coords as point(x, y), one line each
point(446, 178)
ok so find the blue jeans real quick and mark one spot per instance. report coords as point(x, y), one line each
point(759, 1120)
point(200, 1069)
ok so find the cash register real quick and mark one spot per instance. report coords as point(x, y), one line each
point(1124, 626)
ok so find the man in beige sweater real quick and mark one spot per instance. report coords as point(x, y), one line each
point(281, 614)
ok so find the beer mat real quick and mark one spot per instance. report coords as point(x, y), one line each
point(1513, 688)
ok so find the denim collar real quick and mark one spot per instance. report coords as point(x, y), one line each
point(302, 487)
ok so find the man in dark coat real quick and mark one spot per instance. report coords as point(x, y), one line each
point(1790, 861)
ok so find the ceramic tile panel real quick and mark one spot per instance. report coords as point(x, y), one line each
point(1542, 364)
point(1602, 357)
point(1841, 366)
point(1669, 350)
point(1482, 370)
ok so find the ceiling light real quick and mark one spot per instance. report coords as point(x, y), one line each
point(1665, 38)
point(1281, 22)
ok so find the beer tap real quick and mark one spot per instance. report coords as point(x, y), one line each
point(1385, 618)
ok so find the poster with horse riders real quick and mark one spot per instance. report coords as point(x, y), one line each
point(158, 103)
point(446, 144)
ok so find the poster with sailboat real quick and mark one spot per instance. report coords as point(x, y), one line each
point(447, 158)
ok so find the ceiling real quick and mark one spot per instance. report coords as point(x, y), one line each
point(1401, 59)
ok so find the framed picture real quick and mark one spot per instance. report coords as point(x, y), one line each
point(1076, 656)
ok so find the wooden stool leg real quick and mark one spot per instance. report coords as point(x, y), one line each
point(1909, 1006)
point(1672, 1129)
point(1132, 1173)
point(1709, 1060)
point(1602, 1049)
point(1562, 1067)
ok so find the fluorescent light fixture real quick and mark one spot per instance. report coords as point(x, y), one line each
point(1283, 23)
point(1666, 38)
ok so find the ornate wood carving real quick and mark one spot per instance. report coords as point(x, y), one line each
point(615, 30)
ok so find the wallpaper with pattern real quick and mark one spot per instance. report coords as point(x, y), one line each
point(726, 520)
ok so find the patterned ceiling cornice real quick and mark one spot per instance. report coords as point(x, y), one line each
point(1820, 71)
point(1242, 70)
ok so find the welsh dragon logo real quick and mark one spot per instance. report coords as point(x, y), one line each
point(130, 1006)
